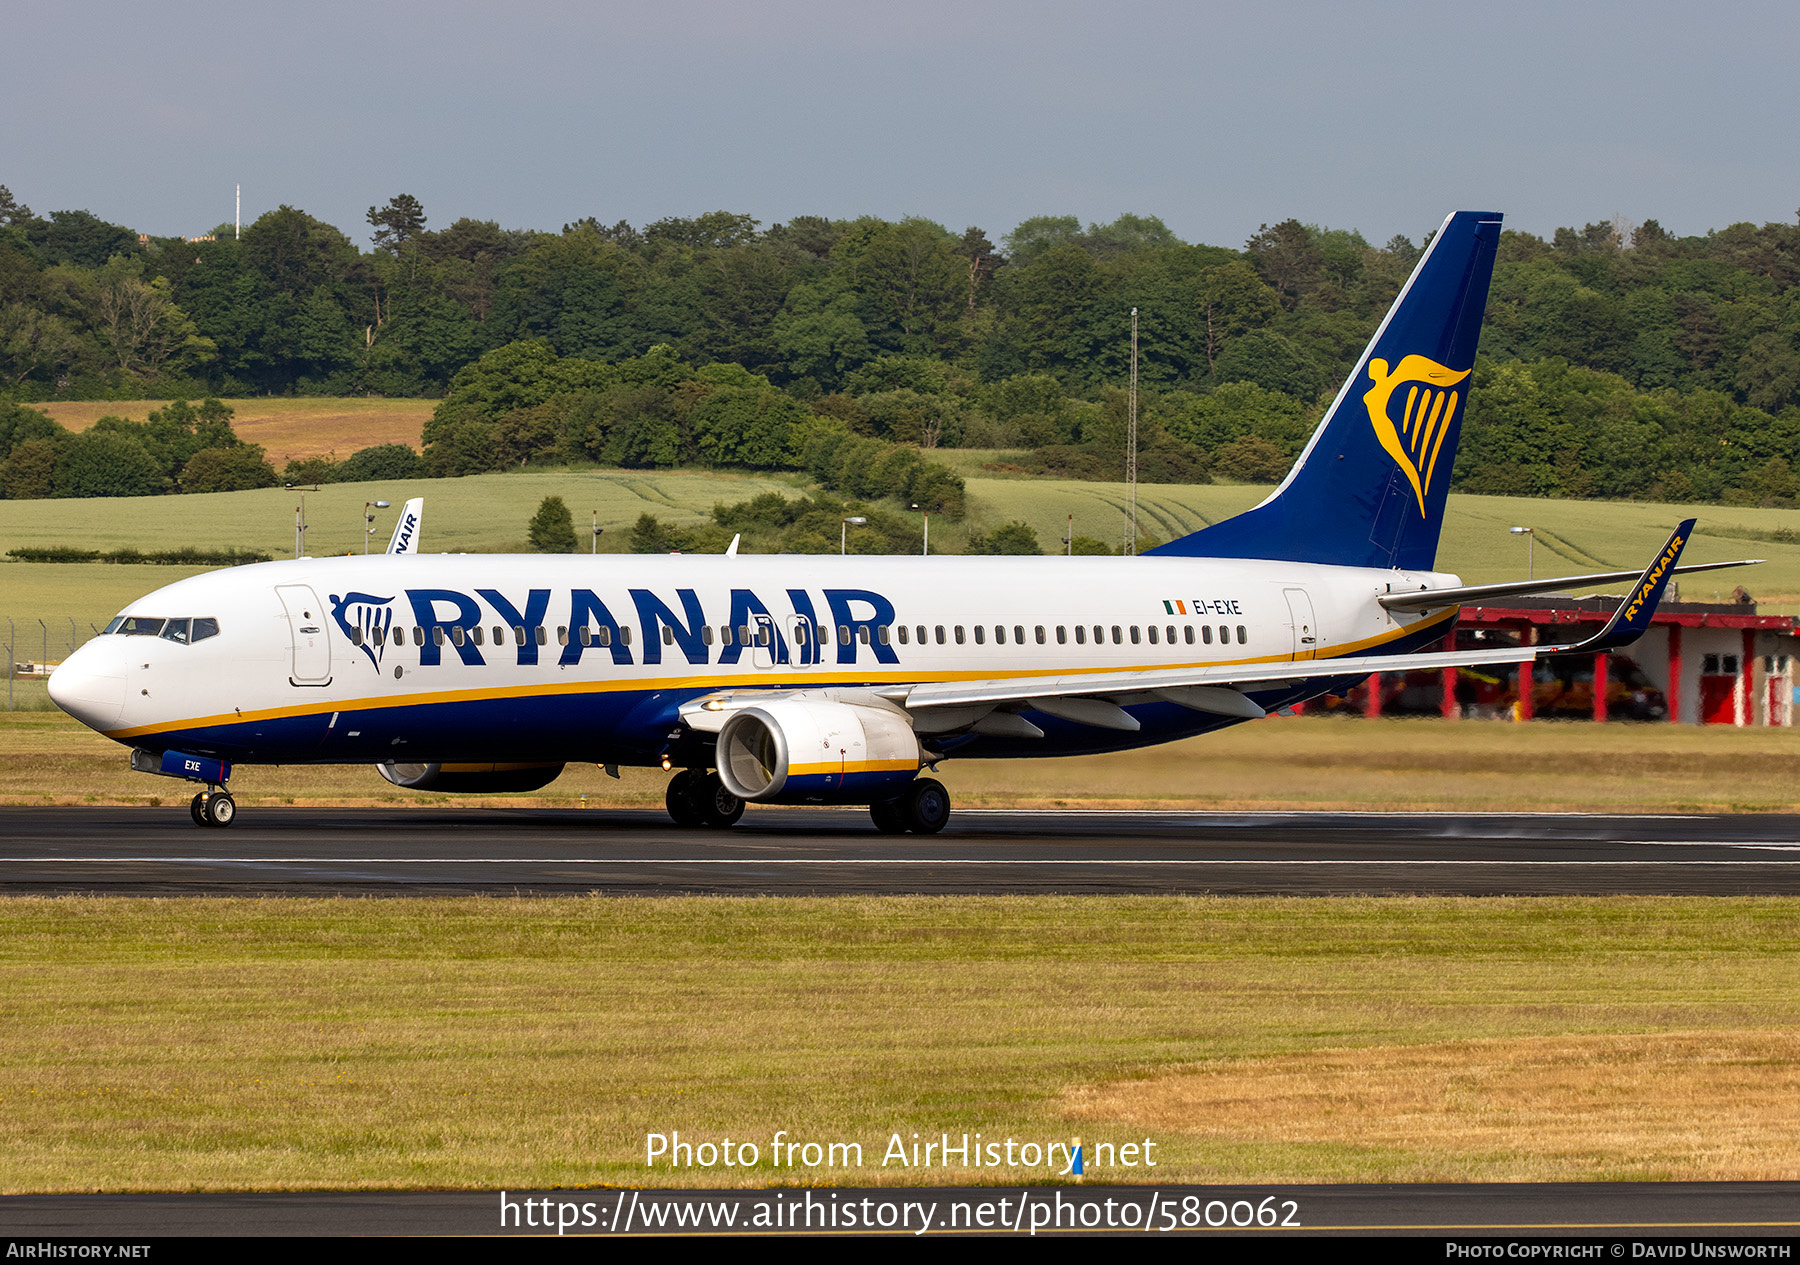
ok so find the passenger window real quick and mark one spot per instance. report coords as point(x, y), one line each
point(843, 634)
point(706, 634)
point(204, 628)
point(585, 635)
point(668, 635)
point(437, 634)
point(477, 634)
point(1117, 639)
point(625, 635)
point(980, 635)
point(762, 635)
point(562, 635)
point(1081, 634)
point(743, 634)
point(882, 632)
point(604, 635)
point(519, 633)
point(940, 634)
point(1040, 634)
point(922, 634)
point(1153, 634)
point(1019, 634)
point(999, 634)
point(862, 633)
point(1187, 633)
point(1206, 633)
point(959, 634)
point(1224, 635)
point(1099, 635)
point(543, 635)
point(356, 636)
point(457, 635)
point(419, 635)
point(1243, 636)
point(1171, 632)
point(1134, 634)
point(1062, 634)
point(903, 634)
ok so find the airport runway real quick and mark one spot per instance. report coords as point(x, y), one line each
point(135, 851)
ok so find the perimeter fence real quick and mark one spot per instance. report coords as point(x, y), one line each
point(35, 645)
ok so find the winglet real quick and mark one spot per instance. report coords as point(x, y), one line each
point(406, 531)
point(1633, 616)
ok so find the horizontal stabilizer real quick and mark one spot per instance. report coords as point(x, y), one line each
point(1432, 599)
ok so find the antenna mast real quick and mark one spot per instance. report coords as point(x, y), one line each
point(1131, 530)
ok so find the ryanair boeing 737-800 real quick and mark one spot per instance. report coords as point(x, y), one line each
point(803, 679)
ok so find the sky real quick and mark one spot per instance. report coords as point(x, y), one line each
point(1216, 117)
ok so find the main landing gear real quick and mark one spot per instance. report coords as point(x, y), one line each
point(697, 798)
point(213, 808)
point(924, 809)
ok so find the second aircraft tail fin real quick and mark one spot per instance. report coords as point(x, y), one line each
point(406, 531)
point(1369, 489)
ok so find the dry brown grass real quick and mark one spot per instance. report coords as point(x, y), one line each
point(227, 1043)
point(286, 428)
point(1700, 1106)
point(1282, 763)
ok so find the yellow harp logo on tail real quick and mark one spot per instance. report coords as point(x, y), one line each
point(1417, 436)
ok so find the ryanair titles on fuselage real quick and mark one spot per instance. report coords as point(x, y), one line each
point(451, 626)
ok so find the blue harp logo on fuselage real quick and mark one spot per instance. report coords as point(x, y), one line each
point(365, 620)
point(1411, 424)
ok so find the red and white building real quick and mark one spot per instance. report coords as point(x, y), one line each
point(1700, 663)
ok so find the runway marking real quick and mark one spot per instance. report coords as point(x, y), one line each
point(839, 861)
point(1260, 814)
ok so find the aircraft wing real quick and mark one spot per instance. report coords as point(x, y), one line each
point(1095, 697)
point(1209, 688)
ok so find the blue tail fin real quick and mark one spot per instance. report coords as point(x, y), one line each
point(1369, 489)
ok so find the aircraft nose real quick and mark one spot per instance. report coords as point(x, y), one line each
point(90, 684)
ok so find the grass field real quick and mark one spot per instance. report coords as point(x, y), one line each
point(488, 513)
point(286, 428)
point(216, 1043)
point(1284, 762)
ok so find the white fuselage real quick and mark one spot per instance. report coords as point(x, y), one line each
point(572, 657)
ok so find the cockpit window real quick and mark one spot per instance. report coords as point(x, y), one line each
point(180, 631)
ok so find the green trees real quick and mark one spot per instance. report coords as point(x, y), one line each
point(552, 528)
point(1009, 538)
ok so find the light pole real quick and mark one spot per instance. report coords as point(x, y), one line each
point(300, 522)
point(369, 522)
point(1530, 547)
point(844, 532)
point(926, 514)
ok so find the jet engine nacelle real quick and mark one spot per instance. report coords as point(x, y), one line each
point(800, 750)
point(470, 779)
